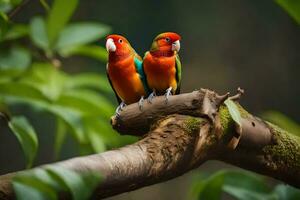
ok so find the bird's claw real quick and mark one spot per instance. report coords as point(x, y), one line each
point(151, 96)
point(120, 108)
point(168, 93)
point(141, 102)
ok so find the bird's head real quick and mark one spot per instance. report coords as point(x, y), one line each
point(117, 44)
point(168, 41)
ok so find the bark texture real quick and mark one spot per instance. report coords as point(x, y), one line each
point(181, 135)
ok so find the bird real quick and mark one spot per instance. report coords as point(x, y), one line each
point(125, 72)
point(162, 65)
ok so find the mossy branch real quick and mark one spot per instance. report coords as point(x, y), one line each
point(178, 137)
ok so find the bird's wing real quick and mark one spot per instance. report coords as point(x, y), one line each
point(118, 98)
point(178, 73)
point(140, 70)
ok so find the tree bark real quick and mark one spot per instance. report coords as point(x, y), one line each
point(181, 135)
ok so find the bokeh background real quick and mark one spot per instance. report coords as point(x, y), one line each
point(225, 45)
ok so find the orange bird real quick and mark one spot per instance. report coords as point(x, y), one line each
point(162, 65)
point(125, 71)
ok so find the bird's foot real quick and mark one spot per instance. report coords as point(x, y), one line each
point(151, 96)
point(141, 102)
point(120, 108)
point(168, 93)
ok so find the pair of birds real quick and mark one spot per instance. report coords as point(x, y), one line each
point(133, 78)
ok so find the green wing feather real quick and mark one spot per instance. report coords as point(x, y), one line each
point(178, 74)
point(140, 70)
point(118, 98)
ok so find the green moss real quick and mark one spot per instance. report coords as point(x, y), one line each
point(227, 123)
point(285, 151)
point(192, 124)
point(226, 120)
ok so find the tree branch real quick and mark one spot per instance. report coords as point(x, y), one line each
point(181, 135)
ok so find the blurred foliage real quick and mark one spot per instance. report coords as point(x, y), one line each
point(240, 185)
point(282, 121)
point(31, 74)
point(26, 136)
point(49, 182)
point(292, 7)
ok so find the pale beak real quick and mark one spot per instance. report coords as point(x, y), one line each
point(176, 46)
point(110, 45)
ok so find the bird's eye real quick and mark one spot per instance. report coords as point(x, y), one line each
point(168, 39)
point(120, 41)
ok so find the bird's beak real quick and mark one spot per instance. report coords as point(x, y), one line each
point(176, 46)
point(110, 45)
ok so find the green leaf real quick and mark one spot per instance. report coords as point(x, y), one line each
point(46, 183)
point(245, 194)
point(87, 102)
point(16, 31)
point(89, 80)
point(80, 186)
point(252, 187)
point(282, 121)
point(14, 61)
point(26, 136)
point(35, 184)
point(41, 88)
point(4, 112)
point(292, 7)
point(43, 176)
point(234, 111)
point(102, 132)
point(16, 57)
point(15, 2)
point(23, 94)
point(38, 33)
point(81, 33)
point(46, 78)
point(93, 51)
point(19, 91)
point(72, 118)
point(5, 7)
point(3, 24)
point(72, 181)
point(286, 192)
point(60, 136)
point(242, 185)
point(59, 15)
point(96, 140)
point(25, 192)
point(210, 188)
point(8, 5)
point(250, 181)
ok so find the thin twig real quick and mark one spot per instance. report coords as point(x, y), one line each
point(17, 9)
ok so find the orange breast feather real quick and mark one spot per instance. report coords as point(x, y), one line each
point(126, 81)
point(160, 72)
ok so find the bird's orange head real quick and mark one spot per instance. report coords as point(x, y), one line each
point(117, 45)
point(168, 41)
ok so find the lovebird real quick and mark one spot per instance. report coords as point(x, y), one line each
point(125, 72)
point(162, 65)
